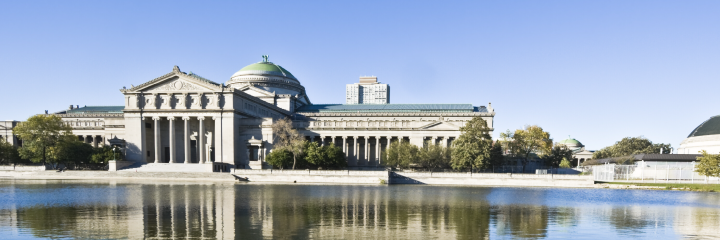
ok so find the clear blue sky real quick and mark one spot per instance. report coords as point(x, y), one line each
point(596, 70)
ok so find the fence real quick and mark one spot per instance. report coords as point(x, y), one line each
point(650, 172)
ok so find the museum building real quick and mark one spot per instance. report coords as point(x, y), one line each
point(180, 120)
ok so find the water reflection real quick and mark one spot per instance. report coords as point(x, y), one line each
point(109, 209)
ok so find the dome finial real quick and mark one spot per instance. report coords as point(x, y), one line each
point(265, 58)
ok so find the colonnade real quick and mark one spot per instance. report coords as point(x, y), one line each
point(203, 138)
point(368, 143)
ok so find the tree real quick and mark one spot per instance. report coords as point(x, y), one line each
point(434, 156)
point(104, 154)
point(565, 163)
point(557, 154)
point(524, 142)
point(400, 154)
point(8, 153)
point(288, 138)
point(325, 157)
point(709, 165)
point(280, 158)
point(39, 134)
point(72, 151)
point(496, 155)
point(631, 146)
point(472, 148)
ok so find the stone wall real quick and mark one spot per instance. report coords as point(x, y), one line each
point(314, 176)
point(491, 179)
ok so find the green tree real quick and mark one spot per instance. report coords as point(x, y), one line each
point(631, 146)
point(400, 154)
point(496, 156)
point(8, 153)
point(104, 154)
point(434, 156)
point(280, 158)
point(523, 143)
point(40, 133)
point(325, 156)
point(72, 151)
point(709, 164)
point(288, 138)
point(472, 148)
point(565, 163)
point(557, 154)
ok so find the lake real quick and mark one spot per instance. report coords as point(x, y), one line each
point(109, 209)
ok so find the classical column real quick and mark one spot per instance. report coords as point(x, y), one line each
point(367, 150)
point(377, 150)
point(186, 139)
point(447, 141)
point(344, 146)
point(355, 148)
point(201, 141)
point(156, 128)
point(171, 129)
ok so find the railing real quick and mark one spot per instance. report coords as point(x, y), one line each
point(650, 172)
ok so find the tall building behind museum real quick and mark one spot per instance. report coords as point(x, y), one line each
point(368, 91)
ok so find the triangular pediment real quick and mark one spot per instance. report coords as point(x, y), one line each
point(176, 84)
point(440, 126)
point(177, 81)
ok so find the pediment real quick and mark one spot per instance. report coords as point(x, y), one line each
point(440, 126)
point(177, 81)
point(176, 84)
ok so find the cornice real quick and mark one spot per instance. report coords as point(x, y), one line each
point(105, 115)
point(412, 114)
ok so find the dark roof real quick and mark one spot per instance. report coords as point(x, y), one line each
point(391, 108)
point(96, 110)
point(709, 127)
point(655, 158)
point(667, 157)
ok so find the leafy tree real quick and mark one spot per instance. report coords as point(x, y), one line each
point(104, 154)
point(472, 148)
point(565, 163)
point(434, 156)
point(288, 138)
point(557, 154)
point(400, 154)
point(631, 146)
point(709, 164)
point(496, 156)
point(325, 156)
point(8, 153)
point(72, 151)
point(525, 142)
point(280, 158)
point(39, 134)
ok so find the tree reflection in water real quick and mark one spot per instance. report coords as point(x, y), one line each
point(102, 209)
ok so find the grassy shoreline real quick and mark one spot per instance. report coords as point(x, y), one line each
point(698, 187)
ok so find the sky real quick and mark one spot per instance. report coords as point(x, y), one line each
point(597, 71)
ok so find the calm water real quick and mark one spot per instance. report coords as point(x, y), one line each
point(75, 209)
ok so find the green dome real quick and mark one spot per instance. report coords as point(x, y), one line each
point(570, 142)
point(264, 68)
point(709, 127)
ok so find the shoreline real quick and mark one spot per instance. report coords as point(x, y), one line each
point(342, 177)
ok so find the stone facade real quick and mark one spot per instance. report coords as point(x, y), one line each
point(182, 118)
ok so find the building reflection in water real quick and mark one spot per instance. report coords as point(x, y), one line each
point(247, 211)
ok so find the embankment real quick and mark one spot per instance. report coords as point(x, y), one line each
point(328, 177)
